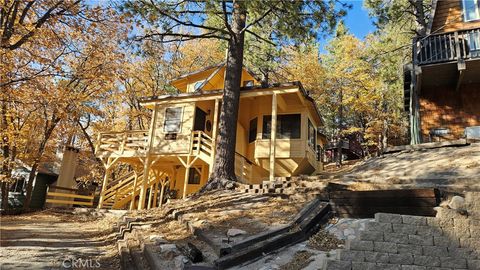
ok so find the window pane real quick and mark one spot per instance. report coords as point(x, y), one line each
point(194, 177)
point(288, 126)
point(173, 120)
point(470, 8)
point(252, 133)
point(267, 124)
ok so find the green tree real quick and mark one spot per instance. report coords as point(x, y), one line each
point(410, 19)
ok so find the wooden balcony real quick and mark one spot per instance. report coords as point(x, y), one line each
point(123, 143)
point(447, 47)
point(135, 144)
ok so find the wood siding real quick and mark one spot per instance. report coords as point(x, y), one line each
point(443, 107)
point(449, 17)
point(181, 145)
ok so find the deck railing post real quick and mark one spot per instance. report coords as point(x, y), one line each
point(104, 186)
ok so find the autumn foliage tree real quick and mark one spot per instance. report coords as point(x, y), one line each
point(66, 64)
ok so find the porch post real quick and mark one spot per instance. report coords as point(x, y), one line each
point(104, 185)
point(185, 182)
point(162, 191)
point(154, 203)
point(151, 195)
point(143, 188)
point(273, 136)
point(146, 165)
point(214, 134)
point(132, 202)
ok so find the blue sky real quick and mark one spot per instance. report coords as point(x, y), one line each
point(357, 20)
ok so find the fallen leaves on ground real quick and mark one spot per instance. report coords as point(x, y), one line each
point(299, 261)
point(324, 241)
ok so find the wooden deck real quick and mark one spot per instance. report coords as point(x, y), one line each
point(448, 47)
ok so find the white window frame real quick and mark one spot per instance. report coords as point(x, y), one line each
point(477, 5)
point(165, 120)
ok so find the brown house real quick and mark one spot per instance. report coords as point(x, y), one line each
point(443, 95)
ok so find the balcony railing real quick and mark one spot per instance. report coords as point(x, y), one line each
point(453, 46)
point(120, 142)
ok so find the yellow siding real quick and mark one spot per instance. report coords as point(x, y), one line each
point(182, 143)
point(215, 80)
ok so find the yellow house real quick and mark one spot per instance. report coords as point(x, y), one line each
point(177, 151)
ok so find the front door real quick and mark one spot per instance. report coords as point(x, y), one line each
point(200, 117)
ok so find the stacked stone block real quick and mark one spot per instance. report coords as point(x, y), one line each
point(451, 240)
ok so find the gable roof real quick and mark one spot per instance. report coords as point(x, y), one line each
point(214, 69)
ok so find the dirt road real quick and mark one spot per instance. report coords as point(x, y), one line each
point(48, 240)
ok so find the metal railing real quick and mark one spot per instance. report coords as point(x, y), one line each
point(446, 47)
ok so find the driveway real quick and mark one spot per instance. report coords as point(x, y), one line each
point(49, 240)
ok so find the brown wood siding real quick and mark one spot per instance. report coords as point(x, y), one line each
point(449, 17)
point(444, 107)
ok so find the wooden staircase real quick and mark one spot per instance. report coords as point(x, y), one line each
point(119, 192)
point(119, 195)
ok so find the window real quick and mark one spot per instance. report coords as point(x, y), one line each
point(288, 126)
point(471, 10)
point(197, 85)
point(173, 120)
point(248, 83)
point(252, 132)
point(194, 177)
point(312, 138)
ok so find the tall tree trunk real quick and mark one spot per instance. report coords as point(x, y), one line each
point(90, 142)
point(340, 130)
point(41, 149)
point(6, 156)
point(224, 166)
point(420, 18)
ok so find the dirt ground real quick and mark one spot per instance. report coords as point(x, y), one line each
point(450, 167)
point(50, 240)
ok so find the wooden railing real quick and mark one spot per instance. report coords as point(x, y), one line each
point(113, 193)
point(68, 196)
point(120, 142)
point(243, 168)
point(201, 143)
point(453, 46)
point(120, 179)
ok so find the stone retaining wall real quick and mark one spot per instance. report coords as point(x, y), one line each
point(451, 240)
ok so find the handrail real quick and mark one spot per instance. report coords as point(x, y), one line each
point(445, 47)
point(111, 190)
point(121, 199)
point(121, 179)
point(201, 142)
point(120, 141)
